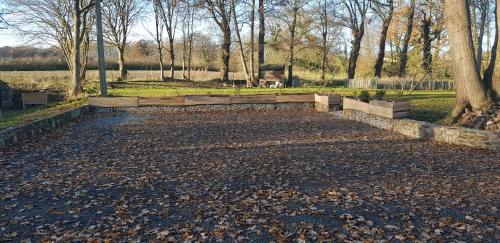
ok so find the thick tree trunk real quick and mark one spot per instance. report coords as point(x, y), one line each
point(356, 47)
point(469, 86)
point(262, 32)
point(381, 53)
point(403, 58)
point(77, 86)
point(121, 63)
point(226, 52)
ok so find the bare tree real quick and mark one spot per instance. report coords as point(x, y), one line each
point(119, 17)
point(480, 9)
point(431, 27)
point(158, 36)
point(220, 12)
point(252, 42)
point(240, 43)
point(403, 56)
point(385, 10)
point(326, 14)
point(68, 23)
point(170, 12)
point(189, 8)
point(354, 18)
point(262, 34)
point(290, 14)
point(471, 90)
point(3, 21)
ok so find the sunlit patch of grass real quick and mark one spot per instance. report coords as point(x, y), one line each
point(14, 118)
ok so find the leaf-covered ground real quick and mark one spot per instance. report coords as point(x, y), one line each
point(244, 176)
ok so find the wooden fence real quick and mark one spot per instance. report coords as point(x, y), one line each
point(403, 84)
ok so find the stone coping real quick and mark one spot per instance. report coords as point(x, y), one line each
point(424, 130)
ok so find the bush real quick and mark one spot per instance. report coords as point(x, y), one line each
point(364, 96)
point(379, 94)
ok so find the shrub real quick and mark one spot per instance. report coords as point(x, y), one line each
point(379, 94)
point(364, 96)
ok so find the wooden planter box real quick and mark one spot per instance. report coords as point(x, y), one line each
point(327, 103)
point(352, 104)
point(301, 98)
point(388, 109)
point(207, 100)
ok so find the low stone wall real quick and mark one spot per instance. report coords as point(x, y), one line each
point(424, 130)
point(16, 134)
point(198, 108)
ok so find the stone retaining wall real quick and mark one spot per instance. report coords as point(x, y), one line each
point(16, 134)
point(197, 108)
point(424, 130)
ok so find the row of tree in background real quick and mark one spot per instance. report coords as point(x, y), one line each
point(330, 35)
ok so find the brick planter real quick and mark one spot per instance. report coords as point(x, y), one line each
point(327, 103)
point(387, 109)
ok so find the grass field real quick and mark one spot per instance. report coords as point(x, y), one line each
point(431, 106)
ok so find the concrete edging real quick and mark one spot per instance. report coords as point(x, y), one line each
point(424, 130)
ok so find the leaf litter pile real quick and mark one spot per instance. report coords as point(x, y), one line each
point(244, 176)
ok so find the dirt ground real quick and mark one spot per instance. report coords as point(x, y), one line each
point(244, 176)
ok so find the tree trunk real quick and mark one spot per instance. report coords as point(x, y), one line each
point(240, 44)
point(226, 51)
point(482, 25)
point(356, 46)
point(292, 45)
point(427, 44)
point(172, 58)
point(252, 44)
point(262, 32)
point(121, 63)
point(469, 86)
point(403, 59)
point(381, 53)
point(162, 71)
point(490, 77)
point(77, 86)
point(190, 56)
point(184, 47)
point(324, 54)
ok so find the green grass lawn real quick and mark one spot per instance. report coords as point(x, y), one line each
point(14, 118)
point(430, 106)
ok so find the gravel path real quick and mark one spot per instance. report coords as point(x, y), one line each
point(244, 176)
